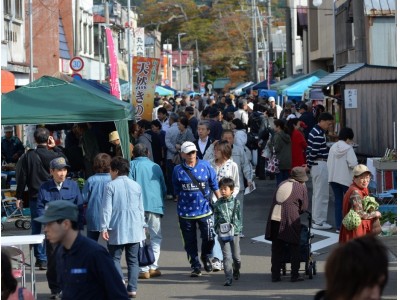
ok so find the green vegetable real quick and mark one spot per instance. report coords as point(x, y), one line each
point(81, 182)
point(388, 216)
point(352, 220)
point(370, 204)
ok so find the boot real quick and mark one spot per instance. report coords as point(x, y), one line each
point(236, 272)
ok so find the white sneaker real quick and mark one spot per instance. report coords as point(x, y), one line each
point(216, 265)
point(170, 197)
point(323, 226)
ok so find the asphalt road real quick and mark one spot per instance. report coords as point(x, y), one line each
point(255, 281)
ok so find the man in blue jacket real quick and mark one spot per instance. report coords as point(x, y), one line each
point(57, 188)
point(193, 181)
point(149, 175)
point(85, 268)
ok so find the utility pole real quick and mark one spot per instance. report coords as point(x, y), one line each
point(198, 66)
point(270, 46)
point(129, 51)
point(289, 49)
point(77, 29)
point(30, 42)
point(254, 40)
point(106, 12)
point(180, 60)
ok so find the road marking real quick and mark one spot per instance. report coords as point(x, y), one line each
point(331, 239)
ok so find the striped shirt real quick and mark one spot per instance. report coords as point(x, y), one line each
point(317, 148)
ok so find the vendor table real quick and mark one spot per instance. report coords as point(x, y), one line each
point(25, 240)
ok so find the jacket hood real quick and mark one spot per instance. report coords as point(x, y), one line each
point(284, 136)
point(240, 138)
point(340, 149)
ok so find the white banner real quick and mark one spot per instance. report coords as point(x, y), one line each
point(139, 49)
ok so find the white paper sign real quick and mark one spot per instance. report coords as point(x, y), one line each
point(350, 98)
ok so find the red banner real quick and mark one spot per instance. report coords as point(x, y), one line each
point(112, 54)
point(144, 79)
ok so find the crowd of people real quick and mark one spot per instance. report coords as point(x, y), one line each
point(199, 152)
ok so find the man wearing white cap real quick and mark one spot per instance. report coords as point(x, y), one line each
point(276, 107)
point(194, 180)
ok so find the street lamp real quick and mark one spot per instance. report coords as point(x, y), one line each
point(180, 59)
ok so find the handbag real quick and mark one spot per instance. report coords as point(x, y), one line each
point(376, 227)
point(266, 153)
point(273, 164)
point(226, 231)
point(146, 255)
point(351, 220)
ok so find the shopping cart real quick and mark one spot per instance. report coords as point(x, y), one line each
point(11, 213)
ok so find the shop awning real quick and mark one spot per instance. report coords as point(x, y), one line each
point(7, 81)
point(337, 76)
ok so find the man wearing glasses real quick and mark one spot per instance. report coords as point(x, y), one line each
point(193, 182)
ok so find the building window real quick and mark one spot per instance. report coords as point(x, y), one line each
point(85, 38)
point(91, 40)
point(7, 7)
point(18, 9)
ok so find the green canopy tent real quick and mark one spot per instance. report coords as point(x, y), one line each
point(50, 100)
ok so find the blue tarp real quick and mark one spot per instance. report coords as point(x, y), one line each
point(162, 91)
point(267, 93)
point(297, 89)
point(258, 86)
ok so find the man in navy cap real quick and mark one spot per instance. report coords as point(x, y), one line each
point(57, 188)
point(86, 269)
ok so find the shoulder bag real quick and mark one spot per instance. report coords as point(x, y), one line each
point(146, 255)
point(227, 230)
point(194, 180)
point(273, 163)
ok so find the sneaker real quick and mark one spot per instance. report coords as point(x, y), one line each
point(155, 273)
point(241, 236)
point(170, 197)
point(144, 275)
point(216, 265)
point(131, 294)
point(337, 231)
point(236, 274)
point(323, 226)
point(41, 264)
point(196, 273)
point(207, 264)
point(276, 279)
point(228, 282)
point(55, 296)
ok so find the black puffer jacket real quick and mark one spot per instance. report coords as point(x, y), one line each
point(33, 168)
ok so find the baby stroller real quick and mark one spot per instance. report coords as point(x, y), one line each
point(306, 256)
point(10, 213)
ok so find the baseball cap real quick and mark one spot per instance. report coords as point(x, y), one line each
point(113, 136)
point(188, 147)
point(270, 99)
point(299, 174)
point(59, 163)
point(8, 129)
point(360, 169)
point(59, 210)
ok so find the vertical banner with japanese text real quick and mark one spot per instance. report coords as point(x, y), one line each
point(144, 79)
point(112, 54)
point(139, 49)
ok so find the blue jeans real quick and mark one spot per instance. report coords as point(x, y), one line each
point(132, 262)
point(188, 229)
point(282, 176)
point(338, 191)
point(39, 250)
point(153, 222)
